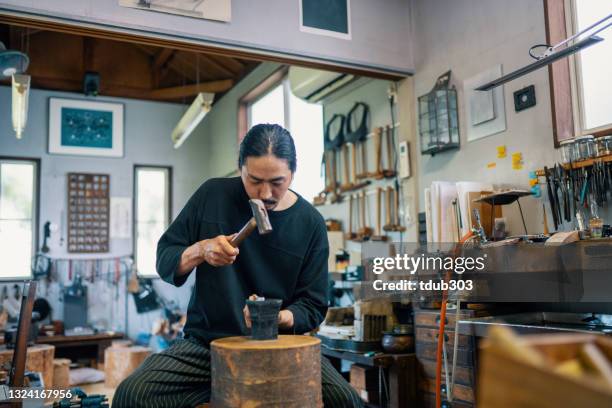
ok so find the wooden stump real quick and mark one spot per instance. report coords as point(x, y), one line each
point(119, 362)
point(285, 372)
point(121, 343)
point(38, 358)
point(61, 373)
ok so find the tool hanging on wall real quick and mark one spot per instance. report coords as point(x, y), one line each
point(333, 140)
point(388, 224)
point(347, 184)
point(356, 185)
point(350, 235)
point(392, 205)
point(397, 221)
point(378, 173)
point(378, 236)
point(389, 171)
point(357, 130)
point(364, 233)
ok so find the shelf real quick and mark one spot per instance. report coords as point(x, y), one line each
point(580, 164)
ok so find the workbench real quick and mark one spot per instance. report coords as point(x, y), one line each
point(401, 369)
point(75, 347)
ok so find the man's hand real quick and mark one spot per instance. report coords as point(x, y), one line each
point(285, 317)
point(218, 251)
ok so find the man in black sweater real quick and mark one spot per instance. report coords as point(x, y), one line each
point(290, 264)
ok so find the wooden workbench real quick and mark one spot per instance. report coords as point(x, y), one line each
point(74, 347)
point(401, 369)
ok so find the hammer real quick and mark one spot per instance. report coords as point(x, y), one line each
point(259, 220)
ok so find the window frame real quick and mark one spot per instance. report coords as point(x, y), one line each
point(255, 93)
point(566, 109)
point(135, 207)
point(35, 210)
point(576, 83)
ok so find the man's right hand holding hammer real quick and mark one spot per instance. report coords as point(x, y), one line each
point(215, 251)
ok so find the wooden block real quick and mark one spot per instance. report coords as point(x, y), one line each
point(121, 343)
point(363, 377)
point(61, 373)
point(252, 373)
point(38, 358)
point(119, 362)
point(506, 381)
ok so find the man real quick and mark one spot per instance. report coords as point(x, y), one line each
point(290, 264)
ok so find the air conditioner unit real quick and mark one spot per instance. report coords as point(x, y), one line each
point(317, 86)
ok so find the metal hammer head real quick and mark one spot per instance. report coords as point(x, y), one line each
point(261, 216)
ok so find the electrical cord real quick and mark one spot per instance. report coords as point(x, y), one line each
point(537, 57)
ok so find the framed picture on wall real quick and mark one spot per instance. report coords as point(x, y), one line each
point(326, 17)
point(85, 128)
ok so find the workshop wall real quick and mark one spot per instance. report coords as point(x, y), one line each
point(374, 94)
point(147, 129)
point(468, 37)
point(219, 129)
point(380, 35)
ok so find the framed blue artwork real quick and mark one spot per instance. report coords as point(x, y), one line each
point(85, 128)
point(326, 17)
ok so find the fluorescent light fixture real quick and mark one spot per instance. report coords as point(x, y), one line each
point(552, 54)
point(21, 90)
point(541, 63)
point(192, 117)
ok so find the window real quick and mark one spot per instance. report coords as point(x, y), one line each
point(18, 209)
point(151, 214)
point(593, 82)
point(305, 122)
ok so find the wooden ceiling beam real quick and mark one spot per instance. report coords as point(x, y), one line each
point(207, 61)
point(191, 90)
point(163, 57)
point(231, 63)
point(88, 53)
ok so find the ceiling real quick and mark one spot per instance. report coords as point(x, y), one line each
point(58, 62)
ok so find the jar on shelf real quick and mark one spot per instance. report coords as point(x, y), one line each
point(584, 148)
point(604, 145)
point(567, 150)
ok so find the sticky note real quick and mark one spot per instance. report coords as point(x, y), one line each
point(501, 151)
point(491, 165)
point(533, 182)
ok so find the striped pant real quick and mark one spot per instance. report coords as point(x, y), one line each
point(180, 377)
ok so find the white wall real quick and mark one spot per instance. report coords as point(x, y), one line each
point(469, 36)
point(147, 141)
point(380, 35)
point(219, 130)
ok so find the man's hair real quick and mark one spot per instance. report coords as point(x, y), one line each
point(265, 139)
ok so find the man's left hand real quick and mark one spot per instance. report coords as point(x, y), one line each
point(285, 317)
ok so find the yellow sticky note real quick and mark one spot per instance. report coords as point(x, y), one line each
point(533, 182)
point(491, 165)
point(501, 152)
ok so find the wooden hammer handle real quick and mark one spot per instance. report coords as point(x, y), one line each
point(244, 232)
point(378, 196)
point(388, 205)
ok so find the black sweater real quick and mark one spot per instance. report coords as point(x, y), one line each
point(290, 263)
